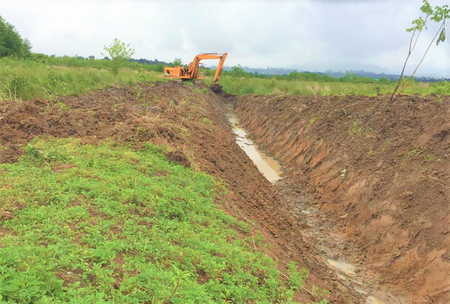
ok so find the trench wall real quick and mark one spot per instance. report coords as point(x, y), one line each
point(380, 172)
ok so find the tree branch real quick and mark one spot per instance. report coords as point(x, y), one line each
point(423, 57)
point(391, 100)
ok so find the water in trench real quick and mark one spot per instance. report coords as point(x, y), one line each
point(346, 268)
point(347, 272)
point(268, 166)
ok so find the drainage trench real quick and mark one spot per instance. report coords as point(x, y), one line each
point(347, 273)
point(268, 166)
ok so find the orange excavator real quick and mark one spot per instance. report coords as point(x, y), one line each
point(193, 71)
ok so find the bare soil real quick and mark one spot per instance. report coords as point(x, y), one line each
point(378, 178)
point(193, 126)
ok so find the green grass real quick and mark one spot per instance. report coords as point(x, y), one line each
point(265, 86)
point(25, 79)
point(108, 224)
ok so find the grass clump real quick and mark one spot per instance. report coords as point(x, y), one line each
point(26, 79)
point(108, 224)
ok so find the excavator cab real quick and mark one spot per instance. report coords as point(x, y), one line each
point(174, 72)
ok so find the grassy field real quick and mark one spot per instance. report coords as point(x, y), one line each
point(107, 224)
point(264, 86)
point(24, 79)
point(27, 79)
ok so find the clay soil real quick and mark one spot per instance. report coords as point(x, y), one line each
point(190, 121)
point(378, 179)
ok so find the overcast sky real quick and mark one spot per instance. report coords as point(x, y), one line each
point(315, 35)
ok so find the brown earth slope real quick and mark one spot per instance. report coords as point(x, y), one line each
point(381, 173)
point(190, 121)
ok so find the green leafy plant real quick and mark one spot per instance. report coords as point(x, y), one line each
point(320, 292)
point(120, 53)
point(344, 173)
point(296, 277)
point(437, 14)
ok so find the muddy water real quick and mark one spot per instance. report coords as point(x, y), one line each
point(346, 268)
point(348, 272)
point(268, 166)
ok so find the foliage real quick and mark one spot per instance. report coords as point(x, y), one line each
point(27, 79)
point(105, 223)
point(120, 53)
point(437, 14)
point(238, 71)
point(11, 43)
point(296, 277)
point(177, 62)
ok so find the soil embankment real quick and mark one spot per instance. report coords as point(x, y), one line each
point(380, 174)
point(190, 120)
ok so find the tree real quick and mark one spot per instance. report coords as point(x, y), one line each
point(120, 53)
point(177, 62)
point(11, 43)
point(383, 80)
point(237, 71)
point(437, 14)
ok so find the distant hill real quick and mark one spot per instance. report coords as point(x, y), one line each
point(269, 71)
point(146, 61)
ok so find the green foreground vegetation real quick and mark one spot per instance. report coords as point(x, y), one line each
point(108, 224)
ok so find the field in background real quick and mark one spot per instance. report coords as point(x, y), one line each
point(53, 76)
point(25, 79)
point(274, 85)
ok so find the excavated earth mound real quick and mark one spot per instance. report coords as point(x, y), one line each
point(189, 120)
point(380, 172)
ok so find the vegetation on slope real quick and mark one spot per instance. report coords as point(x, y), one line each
point(27, 79)
point(104, 223)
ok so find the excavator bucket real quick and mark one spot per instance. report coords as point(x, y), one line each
point(216, 88)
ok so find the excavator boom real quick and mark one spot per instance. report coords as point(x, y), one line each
point(193, 70)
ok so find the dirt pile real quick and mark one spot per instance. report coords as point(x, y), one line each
point(381, 173)
point(190, 121)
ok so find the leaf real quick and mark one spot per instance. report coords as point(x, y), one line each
point(441, 37)
point(426, 8)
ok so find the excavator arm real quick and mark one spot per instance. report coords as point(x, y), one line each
point(193, 70)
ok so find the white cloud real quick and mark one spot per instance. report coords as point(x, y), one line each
point(254, 33)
